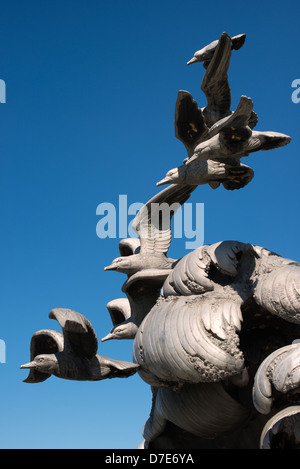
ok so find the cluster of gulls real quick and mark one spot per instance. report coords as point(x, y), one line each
point(215, 139)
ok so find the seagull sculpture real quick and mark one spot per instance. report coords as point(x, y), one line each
point(142, 290)
point(216, 159)
point(147, 265)
point(192, 124)
point(123, 324)
point(231, 137)
point(215, 84)
point(206, 53)
point(73, 353)
point(152, 224)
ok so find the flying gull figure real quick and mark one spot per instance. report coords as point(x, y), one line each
point(192, 124)
point(73, 353)
point(215, 84)
point(232, 137)
point(217, 159)
point(120, 313)
point(152, 224)
point(206, 53)
point(147, 266)
point(142, 290)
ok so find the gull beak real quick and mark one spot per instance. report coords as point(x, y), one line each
point(28, 365)
point(110, 267)
point(193, 60)
point(107, 337)
point(166, 180)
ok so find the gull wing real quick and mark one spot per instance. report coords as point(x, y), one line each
point(119, 368)
point(129, 246)
point(190, 127)
point(267, 141)
point(239, 118)
point(79, 335)
point(152, 223)
point(142, 290)
point(45, 341)
point(119, 310)
point(215, 84)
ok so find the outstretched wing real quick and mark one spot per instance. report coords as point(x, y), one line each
point(239, 118)
point(119, 310)
point(234, 130)
point(215, 84)
point(129, 246)
point(118, 368)
point(153, 221)
point(79, 335)
point(45, 341)
point(190, 127)
point(242, 176)
point(142, 290)
point(267, 141)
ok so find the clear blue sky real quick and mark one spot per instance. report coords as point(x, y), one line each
point(91, 90)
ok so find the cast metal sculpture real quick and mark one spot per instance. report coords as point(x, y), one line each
point(216, 333)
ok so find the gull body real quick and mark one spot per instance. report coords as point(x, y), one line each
point(154, 232)
point(236, 143)
point(216, 158)
point(126, 330)
point(206, 53)
point(123, 322)
point(137, 262)
point(71, 355)
point(210, 172)
point(72, 367)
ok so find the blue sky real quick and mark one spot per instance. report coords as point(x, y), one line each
point(91, 90)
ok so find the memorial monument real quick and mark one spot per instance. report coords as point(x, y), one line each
point(217, 332)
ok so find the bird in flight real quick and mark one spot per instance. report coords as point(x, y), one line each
point(71, 354)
